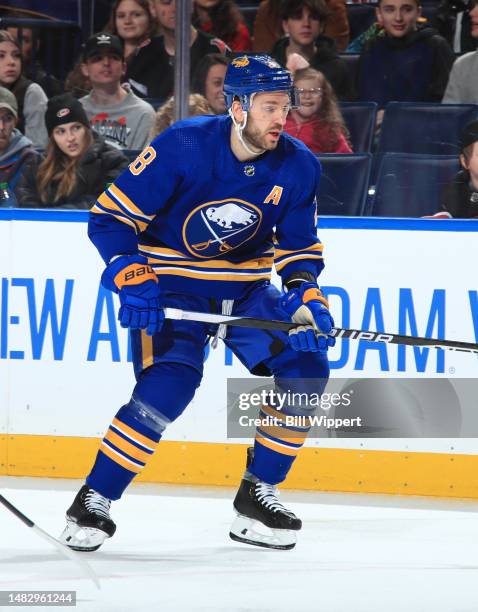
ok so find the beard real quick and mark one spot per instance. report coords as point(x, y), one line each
point(257, 138)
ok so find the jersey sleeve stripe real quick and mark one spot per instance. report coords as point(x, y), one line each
point(127, 204)
point(109, 205)
point(99, 210)
point(318, 246)
point(279, 265)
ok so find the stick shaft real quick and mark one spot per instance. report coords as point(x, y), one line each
point(337, 332)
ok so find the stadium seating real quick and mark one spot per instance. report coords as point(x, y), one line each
point(361, 17)
point(418, 127)
point(344, 183)
point(360, 120)
point(411, 185)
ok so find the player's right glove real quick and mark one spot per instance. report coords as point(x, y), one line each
point(308, 307)
point(137, 286)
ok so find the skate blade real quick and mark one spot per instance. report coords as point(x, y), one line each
point(249, 531)
point(83, 539)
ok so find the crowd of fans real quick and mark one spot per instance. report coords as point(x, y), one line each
point(62, 142)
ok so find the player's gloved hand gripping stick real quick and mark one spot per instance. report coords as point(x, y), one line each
point(137, 286)
point(308, 307)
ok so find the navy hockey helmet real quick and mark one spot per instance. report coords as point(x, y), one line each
point(250, 74)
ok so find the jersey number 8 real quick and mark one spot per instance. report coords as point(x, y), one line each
point(143, 159)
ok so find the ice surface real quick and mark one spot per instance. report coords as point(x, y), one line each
point(172, 553)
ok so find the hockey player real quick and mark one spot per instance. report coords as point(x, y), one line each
point(196, 222)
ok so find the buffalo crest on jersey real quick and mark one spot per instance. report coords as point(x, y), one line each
point(216, 228)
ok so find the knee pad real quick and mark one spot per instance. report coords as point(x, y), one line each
point(161, 394)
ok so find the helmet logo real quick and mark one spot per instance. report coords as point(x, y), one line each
point(240, 62)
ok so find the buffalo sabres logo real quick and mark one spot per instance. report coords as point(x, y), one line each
point(216, 228)
point(240, 62)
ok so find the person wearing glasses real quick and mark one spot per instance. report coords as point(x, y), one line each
point(317, 122)
point(304, 21)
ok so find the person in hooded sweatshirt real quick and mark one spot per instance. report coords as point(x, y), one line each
point(15, 148)
point(78, 164)
point(407, 62)
point(303, 21)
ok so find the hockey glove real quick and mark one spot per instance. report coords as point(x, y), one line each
point(137, 285)
point(307, 306)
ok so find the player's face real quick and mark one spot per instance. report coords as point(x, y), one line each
point(266, 119)
point(166, 14)
point(398, 17)
point(472, 165)
point(103, 68)
point(10, 63)
point(214, 86)
point(70, 138)
point(132, 21)
point(474, 21)
point(310, 92)
point(7, 123)
point(302, 29)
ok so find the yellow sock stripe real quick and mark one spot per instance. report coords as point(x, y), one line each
point(127, 447)
point(146, 349)
point(134, 435)
point(288, 436)
point(275, 446)
point(277, 414)
point(119, 459)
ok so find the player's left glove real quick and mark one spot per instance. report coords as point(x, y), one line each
point(308, 307)
point(137, 285)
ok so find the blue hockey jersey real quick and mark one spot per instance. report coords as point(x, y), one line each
point(208, 223)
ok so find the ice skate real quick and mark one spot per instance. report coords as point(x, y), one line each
point(262, 520)
point(88, 521)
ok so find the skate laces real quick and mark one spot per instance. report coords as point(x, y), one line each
point(267, 495)
point(96, 503)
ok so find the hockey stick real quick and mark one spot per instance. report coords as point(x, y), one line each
point(337, 332)
point(64, 550)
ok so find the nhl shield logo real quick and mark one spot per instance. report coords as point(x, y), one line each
point(216, 228)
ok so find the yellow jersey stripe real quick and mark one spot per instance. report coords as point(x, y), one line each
point(134, 435)
point(119, 459)
point(128, 448)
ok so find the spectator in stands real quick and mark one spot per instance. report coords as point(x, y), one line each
point(134, 22)
point(30, 96)
point(318, 121)
point(462, 87)
point(208, 81)
point(223, 18)
point(452, 20)
point(76, 83)
point(151, 74)
point(32, 68)
point(198, 105)
point(268, 25)
point(115, 113)
point(460, 197)
point(77, 166)
point(409, 63)
point(15, 148)
point(303, 21)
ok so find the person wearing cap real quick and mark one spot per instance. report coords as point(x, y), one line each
point(460, 196)
point(77, 165)
point(123, 119)
point(15, 148)
point(462, 87)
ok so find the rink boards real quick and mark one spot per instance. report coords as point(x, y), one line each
point(64, 361)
